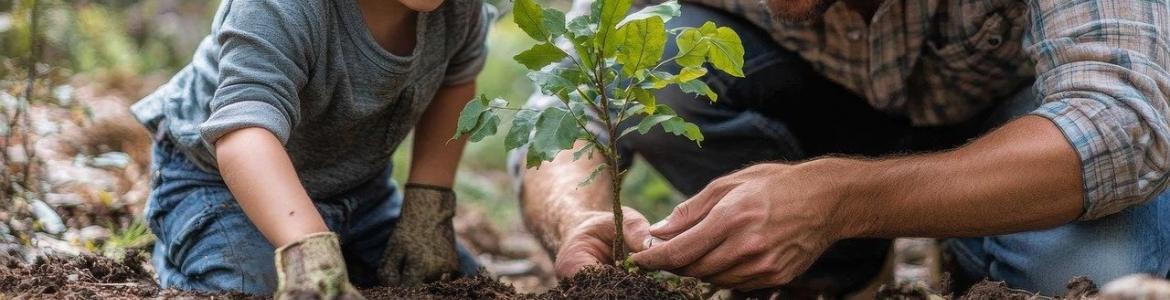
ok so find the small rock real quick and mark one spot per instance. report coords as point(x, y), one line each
point(56, 199)
point(50, 221)
point(51, 244)
point(511, 267)
point(1135, 287)
point(111, 160)
point(17, 155)
point(64, 94)
point(71, 277)
point(94, 233)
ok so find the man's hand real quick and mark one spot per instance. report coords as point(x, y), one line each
point(590, 242)
point(313, 268)
point(756, 228)
point(422, 248)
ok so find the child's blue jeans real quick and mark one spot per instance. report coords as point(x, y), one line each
point(206, 243)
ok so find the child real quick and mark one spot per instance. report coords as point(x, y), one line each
point(279, 134)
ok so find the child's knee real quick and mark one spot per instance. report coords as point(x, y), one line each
point(213, 247)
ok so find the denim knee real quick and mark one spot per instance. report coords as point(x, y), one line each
point(1132, 241)
point(203, 241)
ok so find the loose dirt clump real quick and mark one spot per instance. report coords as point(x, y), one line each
point(1078, 288)
point(597, 282)
point(85, 277)
point(477, 287)
point(608, 282)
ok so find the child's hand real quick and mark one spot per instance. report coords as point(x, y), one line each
point(313, 267)
point(422, 248)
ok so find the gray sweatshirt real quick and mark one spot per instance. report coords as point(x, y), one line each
point(310, 72)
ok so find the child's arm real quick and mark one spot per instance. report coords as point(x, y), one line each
point(422, 247)
point(435, 156)
point(260, 175)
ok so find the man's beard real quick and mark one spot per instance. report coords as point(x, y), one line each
point(797, 10)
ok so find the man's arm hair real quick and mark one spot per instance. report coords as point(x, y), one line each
point(1023, 176)
point(552, 201)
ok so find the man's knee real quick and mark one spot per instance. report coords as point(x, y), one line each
point(1129, 242)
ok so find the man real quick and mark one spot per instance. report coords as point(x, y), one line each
point(1031, 135)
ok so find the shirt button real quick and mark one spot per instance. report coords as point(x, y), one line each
point(853, 35)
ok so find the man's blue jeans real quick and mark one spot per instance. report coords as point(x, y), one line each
point(783, 110)
point(206, 243)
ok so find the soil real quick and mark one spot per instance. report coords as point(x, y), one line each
point(1077, 288)
point(85, 277)
point(97, 277)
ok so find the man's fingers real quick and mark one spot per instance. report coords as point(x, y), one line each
point(731, 253)
point(690, 212)
point(684, 249)
point(763, 273)
point(635, 229)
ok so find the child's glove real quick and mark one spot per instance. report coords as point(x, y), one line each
point(422, 248)
point(313, 268)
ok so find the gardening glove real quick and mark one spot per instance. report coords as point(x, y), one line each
point(422, 248)
point(313, 268)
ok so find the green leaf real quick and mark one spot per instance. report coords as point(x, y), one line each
point(726, 51)
point(635, 109)
point(609, 13)
point(592, 175)
point(540, 55)
point(688, 74)
point(554, 22)
point(677, 126)
point(665, 10)
point(659, 79)
point(487, 126)
point(698, 87)
point(470, 116)
point(550, 83)
point(692, 48)
point(530, 17)
point(582, 26)
point(521, 129)
point(646, 98)
point(642, 45)
point(649, 122)
point(556, 129)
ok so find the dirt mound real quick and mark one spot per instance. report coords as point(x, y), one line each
point(608, 282)
point(85, 277)
point(1078, 288)
point(478, 287)
point(97, 277)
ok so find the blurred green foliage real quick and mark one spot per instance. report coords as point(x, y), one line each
point(140, 37)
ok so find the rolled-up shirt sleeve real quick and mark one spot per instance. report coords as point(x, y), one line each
point(264, 62)
point(1101, 70)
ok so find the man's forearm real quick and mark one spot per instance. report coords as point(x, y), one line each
point(552, 200)
point(1023, 176)
point(260, 175)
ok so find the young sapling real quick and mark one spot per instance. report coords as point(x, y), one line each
point(612, 75)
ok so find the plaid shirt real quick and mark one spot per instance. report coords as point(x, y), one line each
point(1099, 65)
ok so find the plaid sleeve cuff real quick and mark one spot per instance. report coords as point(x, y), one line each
point(1115, 165)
